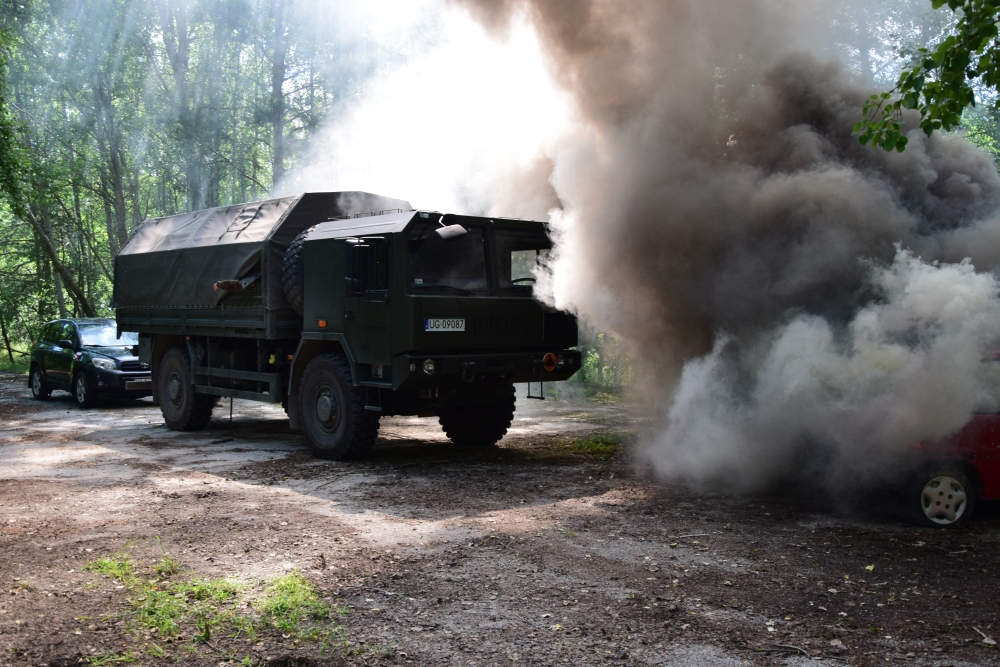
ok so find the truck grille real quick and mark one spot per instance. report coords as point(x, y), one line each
point(510, 325)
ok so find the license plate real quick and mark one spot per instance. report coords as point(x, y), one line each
point(433, 324)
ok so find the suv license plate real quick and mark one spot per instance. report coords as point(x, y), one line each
point(443, 325)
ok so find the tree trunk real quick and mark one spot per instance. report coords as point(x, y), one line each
point(278, 96)
point(67, 279)
point(6, 339)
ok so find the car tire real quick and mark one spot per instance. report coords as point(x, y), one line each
point(332, 410)
point(480, 425)
point(40, 389)
point(182, 408)
point(83, 391)
point(941, 496)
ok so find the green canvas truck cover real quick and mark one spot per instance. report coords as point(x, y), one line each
point(175, 261)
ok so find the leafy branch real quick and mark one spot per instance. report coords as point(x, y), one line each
point(941, 85)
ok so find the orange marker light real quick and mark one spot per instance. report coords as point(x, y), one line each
point(549, 362)
point(322, 324)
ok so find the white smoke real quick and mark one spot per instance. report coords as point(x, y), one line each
point(440, 129)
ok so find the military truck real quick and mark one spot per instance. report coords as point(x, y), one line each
point(342, 307)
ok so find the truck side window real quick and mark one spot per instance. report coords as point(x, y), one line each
point(520, 252)
point(453, 264)
point(378, 265)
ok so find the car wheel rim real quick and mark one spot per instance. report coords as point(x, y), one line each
point(175, 391)
point(327, 410)
point(943, 500)
point(36, 383)
point(81, 389)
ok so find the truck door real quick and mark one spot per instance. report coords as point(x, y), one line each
point(368, 314)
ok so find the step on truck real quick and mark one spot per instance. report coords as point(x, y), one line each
point(343, 307)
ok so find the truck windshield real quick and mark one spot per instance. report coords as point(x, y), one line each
point(105, 335)
point(520, 252)
point(449, 265)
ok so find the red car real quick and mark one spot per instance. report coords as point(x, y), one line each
point(956, 473)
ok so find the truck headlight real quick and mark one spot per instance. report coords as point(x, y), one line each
point(105, 364)
point(429, 366)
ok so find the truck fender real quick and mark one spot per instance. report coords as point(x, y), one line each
point(308, 349)
point(158, 346)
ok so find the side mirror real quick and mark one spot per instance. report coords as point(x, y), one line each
point(451, 232)
point(357, 255)
point(66, 344)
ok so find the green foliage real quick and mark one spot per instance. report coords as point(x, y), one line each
point(606, 365)
point(943, 81)
point(118, 566)
point(290, 599)
point(105, 659)
point(600, 447)
point(165, 600)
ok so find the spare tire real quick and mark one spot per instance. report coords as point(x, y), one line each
point(293, 271)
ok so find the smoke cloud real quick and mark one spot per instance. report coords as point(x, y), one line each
point(784, 285)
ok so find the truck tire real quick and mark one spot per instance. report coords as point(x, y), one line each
point(332, 410)
point(293, 271)
point(480, 425)
point(183, 410)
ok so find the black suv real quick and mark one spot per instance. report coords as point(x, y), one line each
point(88, 359)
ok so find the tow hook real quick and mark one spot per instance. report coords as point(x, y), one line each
point(468, 371)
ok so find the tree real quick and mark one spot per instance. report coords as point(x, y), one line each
point(943, 81)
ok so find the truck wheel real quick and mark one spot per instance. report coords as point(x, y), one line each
point(83, 391)
point(40, 389)
point(480, 425)
point(293, 271)
point(941, 496)
point(332, 410)
point(183, 410)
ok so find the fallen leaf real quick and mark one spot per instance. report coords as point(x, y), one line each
point(870, 568)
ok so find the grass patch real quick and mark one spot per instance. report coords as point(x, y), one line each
point(290, 599)
point(600, 447)
point(105, 659)
point(117, 566)
point(19, 367)
point(167, 601)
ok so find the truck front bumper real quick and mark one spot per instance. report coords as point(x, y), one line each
point(410, 371)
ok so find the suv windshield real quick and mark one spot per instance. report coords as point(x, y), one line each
point(457, 264)
point(519, 253)
point(94, 334)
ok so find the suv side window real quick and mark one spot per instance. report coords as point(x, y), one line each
point(68, 332)
point(51, 332)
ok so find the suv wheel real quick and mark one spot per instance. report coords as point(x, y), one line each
point(40, 389)
point(332, 410)
point(480, 425)
point(83, 392)
point(183, 410)
point(942, 496)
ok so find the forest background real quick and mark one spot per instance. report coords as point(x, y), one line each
point(115, 111)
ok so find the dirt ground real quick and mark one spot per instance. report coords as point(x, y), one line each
point(544, 551)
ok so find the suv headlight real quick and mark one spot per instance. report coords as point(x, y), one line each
point(429, 366)
point(106, 364)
